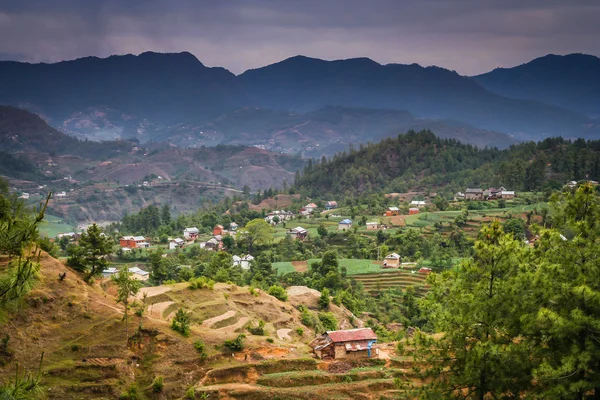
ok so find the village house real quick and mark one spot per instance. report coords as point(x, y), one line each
point(61, 194)
point(417, 203)
point(392, 211)
point(190, 233)
point(425, 270)
point(218, 230)
point(392, 261)
point(372, 225)
point(572, 184)
point(345, 224)
point(70, 235)
point(139, 274)
point(298, 233)
point(507, 194)
point(233, 227)
point(108, 272)
point(413, 211)
point(310, 207)
point(459, 196)
point(133, 242)
point(330, 205)
point(211, 244)
point(351, 343)
point(176, 243)
point(245, 261)
point(24, 196)
point(474, 194)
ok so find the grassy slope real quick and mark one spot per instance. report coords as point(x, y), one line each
point(80, 329)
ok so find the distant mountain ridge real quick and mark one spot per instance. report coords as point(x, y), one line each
point(165, 86)
point(305, 84)
point(571, 81)
point(152, 95)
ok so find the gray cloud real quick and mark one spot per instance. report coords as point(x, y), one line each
point(470, 36)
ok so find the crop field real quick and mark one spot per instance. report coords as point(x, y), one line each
point(53, 225)
point(375, 282)
point(353, 266)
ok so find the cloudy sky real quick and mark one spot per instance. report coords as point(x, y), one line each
point(469, 36)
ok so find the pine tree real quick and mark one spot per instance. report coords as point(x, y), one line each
point(165, 215)
point(95, 246)
point(566, 284)
point(127, 287)
point(476, 307)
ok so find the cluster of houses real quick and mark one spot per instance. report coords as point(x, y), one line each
point(189, 235)
point(277, 216)
point(485, 194)
point(311, 207)
point(573, 184)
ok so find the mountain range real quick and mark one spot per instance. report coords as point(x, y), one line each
point(571, 82)
point(304, 104)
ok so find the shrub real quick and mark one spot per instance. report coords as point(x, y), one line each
point(236, 344)
point(307, 318)
point(190, 394)
point(324, 299)
point(258, 330)
point(201, 349)
point(278, 292)
point(131, 393)
point(300, 331)
point(181, 322)
point(158, 385)
point(201, 283)
point(270, 340)
point(328, 320)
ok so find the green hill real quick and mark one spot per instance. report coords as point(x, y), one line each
point(421, 160)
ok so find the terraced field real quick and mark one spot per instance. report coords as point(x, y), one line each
point(376, 282)
point(307, 379)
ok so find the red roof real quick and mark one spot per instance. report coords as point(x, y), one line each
point(352, 335)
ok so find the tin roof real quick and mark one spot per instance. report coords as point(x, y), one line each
point(352, 335)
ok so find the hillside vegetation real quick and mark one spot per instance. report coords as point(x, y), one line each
point(423, 161)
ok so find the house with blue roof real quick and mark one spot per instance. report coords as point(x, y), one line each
point(345, 224)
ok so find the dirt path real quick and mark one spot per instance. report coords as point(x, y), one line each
point(157, 309)
point(284, 334)
point(152, 291)
point(119, 310)
point(211, 321)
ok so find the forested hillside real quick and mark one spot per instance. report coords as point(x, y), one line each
point(423, 161)
point(23, 131)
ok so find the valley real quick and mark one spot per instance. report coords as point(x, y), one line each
point(307, 229)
